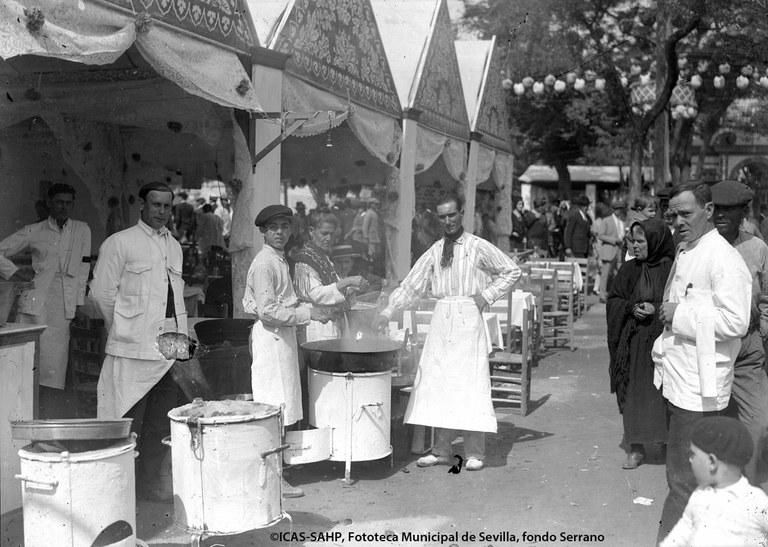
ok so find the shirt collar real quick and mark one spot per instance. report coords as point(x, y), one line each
point(707, 236)
point(54, 226)
point(272, 250)
point(151, 231)
point(737, 489)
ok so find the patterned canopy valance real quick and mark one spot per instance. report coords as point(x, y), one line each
point(335, 45)
point(224, 21)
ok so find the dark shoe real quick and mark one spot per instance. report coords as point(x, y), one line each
point(291, 491)
point(634, 459)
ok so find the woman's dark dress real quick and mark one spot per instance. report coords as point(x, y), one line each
point(630, 340)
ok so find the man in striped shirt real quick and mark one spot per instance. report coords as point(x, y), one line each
point(452, 389)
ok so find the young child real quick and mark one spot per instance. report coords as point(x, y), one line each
point(725, 509)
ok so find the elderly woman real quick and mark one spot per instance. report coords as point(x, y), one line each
point(315, 279)
point(633, 325)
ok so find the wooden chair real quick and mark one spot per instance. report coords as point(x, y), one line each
point(510, 367)
point(556, 322)
point(587, 278)
point(86, 356)
point(566, 284)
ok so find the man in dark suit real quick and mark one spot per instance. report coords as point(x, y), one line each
point(577, 228)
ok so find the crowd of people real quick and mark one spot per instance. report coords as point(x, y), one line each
point(684, 274)
point(687, 317)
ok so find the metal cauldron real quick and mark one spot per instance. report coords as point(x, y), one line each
point(367, 354)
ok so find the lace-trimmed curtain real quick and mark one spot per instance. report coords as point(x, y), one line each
point(430, 145)
point(380, 135)
point(91, 34)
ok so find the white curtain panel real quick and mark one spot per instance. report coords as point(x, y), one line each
point(502, 175)
point(379, 134)
point(455, 158)
point(486, 160)
point(91, 34)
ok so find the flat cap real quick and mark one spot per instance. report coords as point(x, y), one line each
point(271, 212)
point(154, 187)
point(731, 193)
point(727, 438)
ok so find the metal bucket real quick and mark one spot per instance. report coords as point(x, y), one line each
point(71, 499)
point(227, 466)
point(357, 407)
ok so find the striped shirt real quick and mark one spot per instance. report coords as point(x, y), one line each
point(478, 267)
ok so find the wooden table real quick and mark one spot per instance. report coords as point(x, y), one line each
point(19, 375)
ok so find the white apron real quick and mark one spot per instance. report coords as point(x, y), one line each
point(275, 369)
point(124, 381)
point(54, 340)
point(452, 388)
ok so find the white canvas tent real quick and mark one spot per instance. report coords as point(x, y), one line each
point(418, 39)
point(489, 151)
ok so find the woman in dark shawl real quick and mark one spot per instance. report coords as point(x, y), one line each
point(633, 325)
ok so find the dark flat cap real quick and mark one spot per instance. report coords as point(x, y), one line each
point(730, 193)
point(271, 212)
point(727, 438)
point(154, 187)
point(582, 200)
point(664, 193)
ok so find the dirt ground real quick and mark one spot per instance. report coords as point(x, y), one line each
point(553, 477)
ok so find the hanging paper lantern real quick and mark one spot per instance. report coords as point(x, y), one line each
point(506, 83)
point(527, 81)
point(719, 82)
point(560, 86)
point(764, 81)
point(538, 88)
point(691, 112)
point(742, 82)
point(579, 84)
point(600, 84)
point(696, 81)
point(624, 81)
point(549, 80)
point(519, 89)
point(590, 75)
point(635, 69)
point(570, 78)
point(724, 68)
point(747, 70)
point(682, 62)
point(702, 66)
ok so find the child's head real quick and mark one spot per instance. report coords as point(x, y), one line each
point(720, 448)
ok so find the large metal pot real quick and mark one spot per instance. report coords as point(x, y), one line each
point(350, 355)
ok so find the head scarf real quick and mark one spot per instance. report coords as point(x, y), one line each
point(661, 249)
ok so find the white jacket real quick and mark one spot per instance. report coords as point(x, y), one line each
point(45, 240)
point(130, 288)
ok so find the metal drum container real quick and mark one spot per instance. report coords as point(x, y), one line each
point(357, 407)
point(79, 499)
point(227, 466)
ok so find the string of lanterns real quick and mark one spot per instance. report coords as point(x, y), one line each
point(643, 88)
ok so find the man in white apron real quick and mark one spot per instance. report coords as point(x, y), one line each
point(269, 295)
point(452, 389)
point(61, 256)
point(138, 289)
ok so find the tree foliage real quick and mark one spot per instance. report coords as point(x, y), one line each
point(627, 44)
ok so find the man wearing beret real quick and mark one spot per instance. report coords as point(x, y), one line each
point(705, 311)
point(138, 289)
point(269, 294)
point(749, 396)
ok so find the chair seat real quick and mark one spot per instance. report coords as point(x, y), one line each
point(505, 357)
